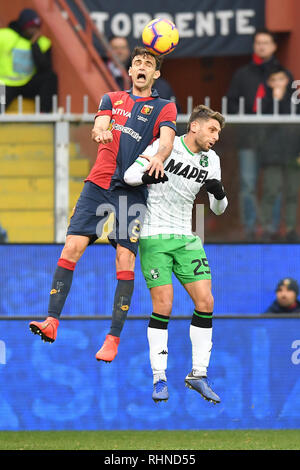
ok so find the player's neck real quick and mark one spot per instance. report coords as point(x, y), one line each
point(143, 93)
point(191, 144)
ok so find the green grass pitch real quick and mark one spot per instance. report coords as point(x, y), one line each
point(151, 440)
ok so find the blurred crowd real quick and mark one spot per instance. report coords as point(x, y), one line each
point(270, 149)
point(269, 152)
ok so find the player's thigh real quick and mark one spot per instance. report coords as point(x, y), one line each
point(190, 261)
point(200, 293)
point(130, 207)
point(156, 261)
point(162, 299)
point(74, 247)
point(91, 212)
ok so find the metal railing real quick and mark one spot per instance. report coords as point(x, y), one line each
point(64, 112)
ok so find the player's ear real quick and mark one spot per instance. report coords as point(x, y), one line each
point(129, 71)
point(156, 74)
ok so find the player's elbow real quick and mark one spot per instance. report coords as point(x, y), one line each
point(130, 178)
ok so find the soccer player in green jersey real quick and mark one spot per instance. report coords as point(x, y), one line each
point(167, 244)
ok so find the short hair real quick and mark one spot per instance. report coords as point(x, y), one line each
point(266, 31)
point(278, 68)
point(139, 50)
point(205, 113)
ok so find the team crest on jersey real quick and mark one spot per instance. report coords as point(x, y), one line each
point(147, 109)
point(204, 160)
point(154, 273)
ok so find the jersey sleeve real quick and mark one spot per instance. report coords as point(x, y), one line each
point(133, 175)
point(167, 117)
point(216, 172)
point(217, 206)
point(105, 106)
point(151, 149)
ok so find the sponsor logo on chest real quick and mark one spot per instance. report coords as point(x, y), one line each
point(189, 172)
point(121, 112)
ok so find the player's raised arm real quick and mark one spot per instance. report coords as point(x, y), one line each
point(166, 139)
point(100, 132)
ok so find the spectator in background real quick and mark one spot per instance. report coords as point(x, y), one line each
point(25, 61)
point(121, 49)
point(287, 291)
point(280, 159)
point(249, 82)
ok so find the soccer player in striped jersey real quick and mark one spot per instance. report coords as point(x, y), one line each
point(126, 122)
point(167, 244)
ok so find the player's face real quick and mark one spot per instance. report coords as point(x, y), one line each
point(285, 297)
point(205, 133)
point(143, 72)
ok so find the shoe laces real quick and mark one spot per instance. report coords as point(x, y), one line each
point(205, 379)
point(160, 385)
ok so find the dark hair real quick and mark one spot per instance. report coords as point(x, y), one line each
point(278, 69)
point(266, 31)
point(203, 112)
point(140, 50)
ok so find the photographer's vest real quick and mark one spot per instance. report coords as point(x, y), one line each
point(16, 62)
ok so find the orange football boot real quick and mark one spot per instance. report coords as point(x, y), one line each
point(109, 349)
point(47, 329)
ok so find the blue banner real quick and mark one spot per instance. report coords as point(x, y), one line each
point(244, 278)
point(206, 28)
point(254, 368)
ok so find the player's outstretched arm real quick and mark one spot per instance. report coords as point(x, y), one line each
point(100, 132)
point(166, 140)
point(137, 173)
point(134, 174)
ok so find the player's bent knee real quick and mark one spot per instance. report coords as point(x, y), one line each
point(74, 248)
point(162, 304)
point(125, 259)
point(206, 304)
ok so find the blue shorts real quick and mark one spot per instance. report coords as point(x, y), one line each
point(94, 206)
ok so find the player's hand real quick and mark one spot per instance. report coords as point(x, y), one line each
point(102, 137)
point(150, 179)
point(216, 188)
point(156, 167)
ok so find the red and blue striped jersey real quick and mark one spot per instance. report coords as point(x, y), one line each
point(135, 123)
